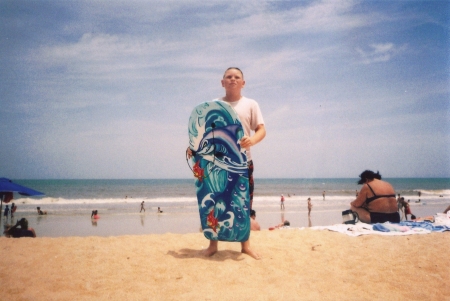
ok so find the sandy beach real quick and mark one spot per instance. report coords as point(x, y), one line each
point(296, 265)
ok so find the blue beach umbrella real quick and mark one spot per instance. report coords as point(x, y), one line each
point(7, 187)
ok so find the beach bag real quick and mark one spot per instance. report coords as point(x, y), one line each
point(350, 217)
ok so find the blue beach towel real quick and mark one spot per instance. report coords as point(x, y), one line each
point(425, 225)
point(391, 227)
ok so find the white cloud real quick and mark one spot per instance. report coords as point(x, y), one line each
point(377, 53)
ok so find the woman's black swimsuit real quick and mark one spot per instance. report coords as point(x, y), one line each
point(378, 217)
point(371, 199)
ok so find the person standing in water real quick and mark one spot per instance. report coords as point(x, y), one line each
point(309, 206)
point(6, 212)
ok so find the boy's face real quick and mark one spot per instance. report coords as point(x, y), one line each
point(233, 80)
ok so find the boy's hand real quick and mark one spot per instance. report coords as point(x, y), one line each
point(246, 142)
point(189, 153)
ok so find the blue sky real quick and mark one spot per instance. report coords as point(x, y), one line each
point(104, 89)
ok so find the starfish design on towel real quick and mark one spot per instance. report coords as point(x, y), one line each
point(199, 172)
point(212, 221)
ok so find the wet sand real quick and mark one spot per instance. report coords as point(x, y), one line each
point(61, 223)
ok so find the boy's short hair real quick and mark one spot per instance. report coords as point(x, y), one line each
point(252, 212)
point(234, 68)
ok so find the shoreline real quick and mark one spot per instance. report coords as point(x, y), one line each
point(307, 264)
point(116, 222)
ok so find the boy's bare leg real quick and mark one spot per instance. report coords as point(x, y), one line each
point(247, 250)
point(212, 249)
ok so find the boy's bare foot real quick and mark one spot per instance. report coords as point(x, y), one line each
point(251, 253)
point(247, 250)
point(211, 250)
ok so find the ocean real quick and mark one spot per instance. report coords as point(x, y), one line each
point(69, 203)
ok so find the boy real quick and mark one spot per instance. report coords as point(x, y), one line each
point(251, 119)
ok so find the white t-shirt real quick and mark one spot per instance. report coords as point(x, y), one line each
point(250, 115)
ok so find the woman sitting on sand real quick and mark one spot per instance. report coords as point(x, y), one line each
point(376, 201)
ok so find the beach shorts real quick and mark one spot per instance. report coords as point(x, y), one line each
point(251, 183)
point(377, 217)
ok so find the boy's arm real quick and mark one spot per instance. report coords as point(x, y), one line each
point(260, 133)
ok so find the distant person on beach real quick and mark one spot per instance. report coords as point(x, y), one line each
point(282, 202)
point(13, 209)
point(376, 202)
point(356, 193)
point(23, 231)
point(254, 225)
point(142, 207)
point(419, 194)
point(309, 206)
point(408, 211)
point(252, 120)
point(323, 195)
point(399, 206)
point(6, 212)
point(402, 204)
point(159, 210)
point(286, 223)
point(40, 212)
point(94, 214)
